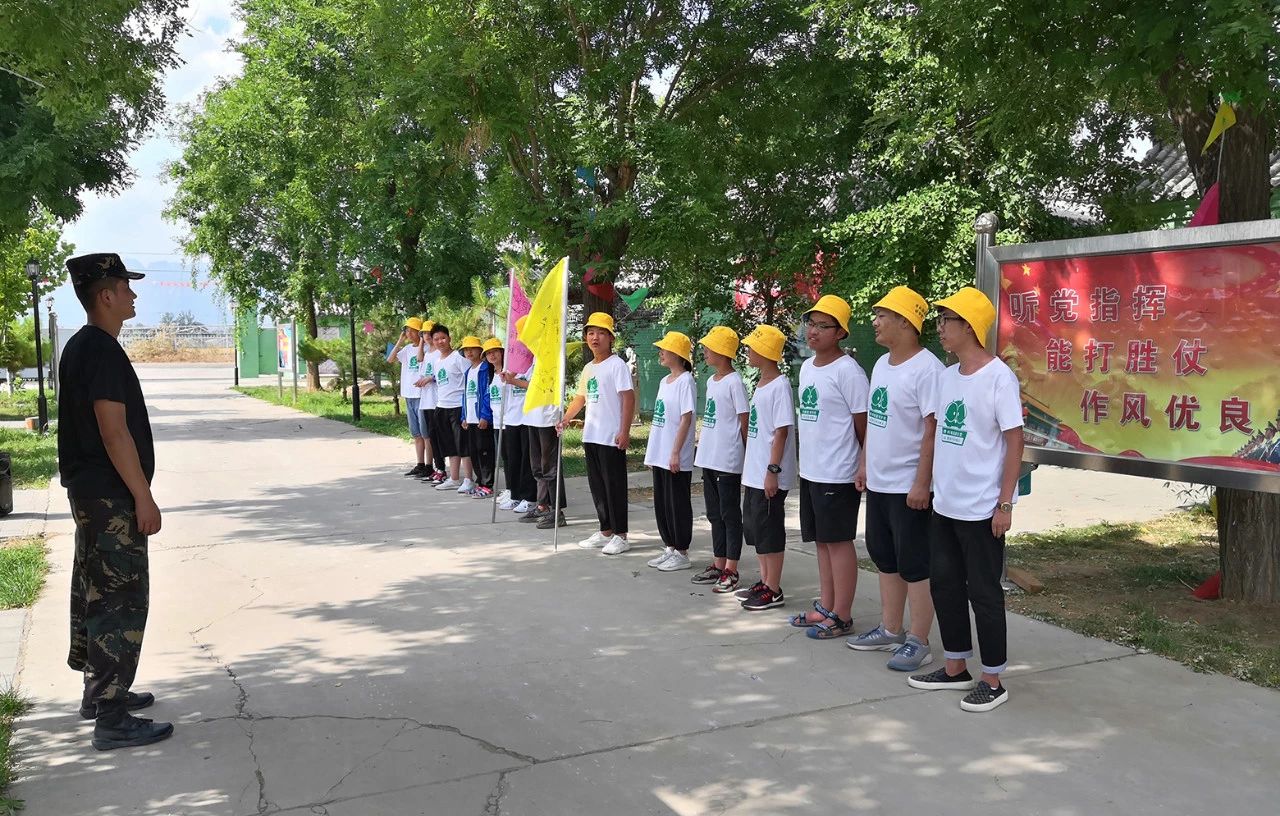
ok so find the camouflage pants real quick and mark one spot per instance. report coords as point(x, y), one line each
point(109, 590)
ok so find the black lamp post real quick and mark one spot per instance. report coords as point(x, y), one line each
point(42, 405)
point(355, 379)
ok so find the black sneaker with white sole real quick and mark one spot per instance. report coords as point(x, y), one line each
point(744, 594)
point(418, 470)
point(766, 598)
point(710, 575)
point(941, 680)
point(984, 698)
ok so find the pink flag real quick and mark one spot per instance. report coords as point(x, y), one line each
point(518, 357)
point(1207, 213)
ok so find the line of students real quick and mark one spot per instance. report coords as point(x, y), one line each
point(458, 403)
point(939, 494)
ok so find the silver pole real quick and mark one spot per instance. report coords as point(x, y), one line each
point(497, 468)
point(986, 270)
point(293, 339)
point(555, 507)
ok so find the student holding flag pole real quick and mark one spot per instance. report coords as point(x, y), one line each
point(544, 335)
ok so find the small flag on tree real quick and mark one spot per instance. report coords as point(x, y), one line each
point(1225, 118)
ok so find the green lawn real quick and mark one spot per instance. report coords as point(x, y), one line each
point(12, 706)
point(35, 457)
point(22, 570)
point(20, 405)
point(376, 415)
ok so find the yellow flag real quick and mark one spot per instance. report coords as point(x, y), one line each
point(1225, 118)
point(544, 335)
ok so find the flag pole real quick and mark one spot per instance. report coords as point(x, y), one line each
point(497, 467)
point(564, 331)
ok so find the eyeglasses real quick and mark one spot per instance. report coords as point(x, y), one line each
point(942, 320)
point(809, 324)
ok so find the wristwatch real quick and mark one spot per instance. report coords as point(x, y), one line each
point(1005, 507)
point(775, 468)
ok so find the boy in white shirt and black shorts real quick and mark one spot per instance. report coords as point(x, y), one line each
point(976, 463)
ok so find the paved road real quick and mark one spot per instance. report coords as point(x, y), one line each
point(331, 639)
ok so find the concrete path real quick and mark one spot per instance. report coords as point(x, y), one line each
point(332, 639)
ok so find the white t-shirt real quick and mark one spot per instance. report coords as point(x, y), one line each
point(829, 397)
point(544, 416)
point(675, 399)
point(471, 399)
point(427, 368)
point(507, 404)
point(602, 385)
point(771, 408)
point(973, 412)
point(902, 397)
point(720, 444)
point(408, 357)
point(450, 374)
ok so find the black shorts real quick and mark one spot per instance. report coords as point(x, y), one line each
point(447, 432)
point(897, 536)
point(828, 512)
point(764, 521)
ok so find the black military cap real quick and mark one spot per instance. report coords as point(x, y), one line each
point(89, 268)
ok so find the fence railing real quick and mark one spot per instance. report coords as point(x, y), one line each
point(179, 337)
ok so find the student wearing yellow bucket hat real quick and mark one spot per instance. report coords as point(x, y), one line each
point(831, 424)
point(450, 381)
point(769, 467)
point(976, 462)
point(721, 447)
point(507, 404)
point(540, 434)
point(608, 393)
point(408, 353)
point(669, 454)
point(427, 404)
point(897, 475)
point(477, 420)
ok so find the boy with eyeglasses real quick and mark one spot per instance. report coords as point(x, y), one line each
point(976, 462)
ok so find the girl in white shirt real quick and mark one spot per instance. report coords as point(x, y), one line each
point(670, 452)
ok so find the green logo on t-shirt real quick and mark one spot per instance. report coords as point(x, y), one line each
point(709, 414)
point(413, 361)
point(495, 394)
point(809, 403)
point(593, 391)
point(443, 377)
point(878, 415)
point(471, 388)
point(953, 431)
point(660, 414)
point(752, 427)
point(430, 369)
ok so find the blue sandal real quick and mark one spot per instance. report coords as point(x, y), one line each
point(828, 631)
point(801, 619)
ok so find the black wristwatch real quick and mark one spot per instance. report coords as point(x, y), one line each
point(775, 468)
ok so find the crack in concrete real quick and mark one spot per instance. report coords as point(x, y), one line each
point(381, 749)
point(493, 805)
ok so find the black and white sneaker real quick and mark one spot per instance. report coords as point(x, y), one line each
point(984, 698)
point(418, 470)
point(766, 598)
point(744, 594)
point(941, 680)
point(710, 575)
point(534, 516)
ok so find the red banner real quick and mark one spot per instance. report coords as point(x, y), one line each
point(1167, 355)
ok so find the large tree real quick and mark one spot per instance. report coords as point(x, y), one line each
point(79, 88)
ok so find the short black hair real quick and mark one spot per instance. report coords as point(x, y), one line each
point(88, 294)
point(688, 366)
point(440, 328)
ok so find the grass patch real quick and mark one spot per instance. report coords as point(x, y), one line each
point(23, 566)
point(1131, 584)
point(22, 404)
point(377, 414)
point(12, 706)
point(35, 457)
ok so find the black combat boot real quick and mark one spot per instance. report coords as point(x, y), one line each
point(120, 729)
point(132, 701)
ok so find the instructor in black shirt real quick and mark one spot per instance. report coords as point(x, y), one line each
point(106, 459)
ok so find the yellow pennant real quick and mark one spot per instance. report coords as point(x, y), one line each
point(1225, 118)
point(544, 335)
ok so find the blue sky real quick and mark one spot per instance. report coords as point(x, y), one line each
point(130, 223)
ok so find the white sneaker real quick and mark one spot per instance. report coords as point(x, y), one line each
point(597, 539)
point(616, 546)
point(507, 504)
point(466, 487)
point(448, 484)
point(503, 498)
point(523, 507)
point(662, 556)
point(676, 561)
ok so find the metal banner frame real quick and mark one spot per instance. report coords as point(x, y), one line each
point(989, 258)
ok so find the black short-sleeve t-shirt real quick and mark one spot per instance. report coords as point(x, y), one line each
point(94, 367)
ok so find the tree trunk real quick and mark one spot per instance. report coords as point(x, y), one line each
point(313, 331)
point(1249, 545)
point(1248, 522)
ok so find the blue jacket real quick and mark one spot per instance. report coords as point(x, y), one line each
point(483, 377)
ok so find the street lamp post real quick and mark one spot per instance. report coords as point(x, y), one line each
point(355, 379)
point(42, 409)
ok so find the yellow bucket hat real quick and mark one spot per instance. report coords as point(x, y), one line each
point(414, 323)
point(470, 341)
point(721, 340)
point(678, 344)
point(491, 344)
point(428, 325)
point(600, 320)
point(520, 324)
point(766, 341)
point(905, 301)
point(975, 308)
point(835, 306)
